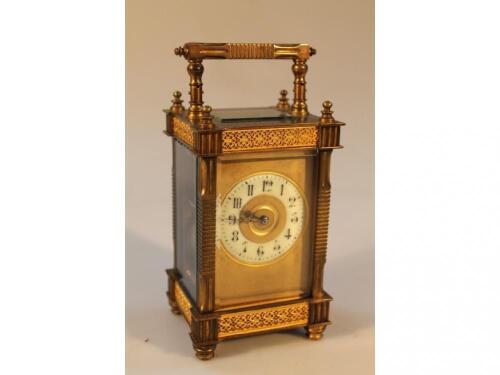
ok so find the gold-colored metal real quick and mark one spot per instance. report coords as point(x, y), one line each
point(206, 232)
point(238, 283)
point(195, 71)
point(273, 210)
point(328, 128)
point(292, 156)
point(196, 52)
point(233, 298)
point(321, 223)
point(237, 140)
point(315, 331)
point(183, 302)
point(327, 113)
point(183, 132)
point(177, 106)
point(244, 51)
point(253, 139)
point(249, 322)
point(283, 104)
point(324, 134)
point(206, 118)
point(299, 69)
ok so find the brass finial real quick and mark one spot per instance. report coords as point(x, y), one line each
point(206, 117)
point(180, 51)
point(177, 106)
point(327, 113)
point(283, 104)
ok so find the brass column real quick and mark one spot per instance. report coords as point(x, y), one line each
point(299, 107)
point(195, 70)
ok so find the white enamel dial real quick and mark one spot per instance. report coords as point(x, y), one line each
point(261, 218)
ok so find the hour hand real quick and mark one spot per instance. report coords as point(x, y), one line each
point(248, 217)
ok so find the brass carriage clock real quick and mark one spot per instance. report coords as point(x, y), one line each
point(251, 193)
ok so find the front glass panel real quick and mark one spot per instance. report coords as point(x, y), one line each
point(264, 221)
point(262, 218)
point(185, 216)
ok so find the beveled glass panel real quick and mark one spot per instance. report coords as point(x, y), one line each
point(185, 195)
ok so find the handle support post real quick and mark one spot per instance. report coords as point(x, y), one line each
point(195, 53)
point(299, 106)
point(195, 70)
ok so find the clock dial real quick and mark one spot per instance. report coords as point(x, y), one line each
point(261, 218)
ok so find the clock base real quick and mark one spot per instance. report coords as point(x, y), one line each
point(208, 329)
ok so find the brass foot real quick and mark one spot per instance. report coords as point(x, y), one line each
point(205, 352)
point(315, 332)
point(174, 307)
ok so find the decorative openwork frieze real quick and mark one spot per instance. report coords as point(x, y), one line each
point(264, 319)
point(238, 140)
point(234, 140)
point(183, 132)
point(183, 302)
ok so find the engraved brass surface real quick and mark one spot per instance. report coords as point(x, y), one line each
point(183, 132)
point(265, 230)
point(238, 284)
point(247, 322)
point(236, 140)
point(245, 51)
point(183, 302)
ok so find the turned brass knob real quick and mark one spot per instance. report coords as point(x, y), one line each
point(327, 113)
point(206, 117)
point(180, 51)
point(177, 103)
point(283, 104)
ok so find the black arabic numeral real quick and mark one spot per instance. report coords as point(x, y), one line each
point(237, 202)
point(267, 186)
point(260, 251)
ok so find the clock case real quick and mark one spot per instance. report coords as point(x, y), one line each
point(211, 135)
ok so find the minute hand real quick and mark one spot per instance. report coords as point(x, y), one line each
point(249, 217)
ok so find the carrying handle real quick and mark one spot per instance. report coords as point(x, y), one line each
point(245, 51)
point(195, 53)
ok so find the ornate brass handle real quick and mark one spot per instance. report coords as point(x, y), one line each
point(200, 51)
point(195, 53)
